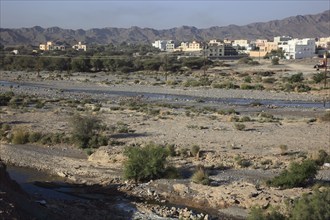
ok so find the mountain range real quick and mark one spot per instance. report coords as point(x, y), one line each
point(300, 26)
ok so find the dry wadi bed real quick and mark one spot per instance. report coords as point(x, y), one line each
point(182, 123)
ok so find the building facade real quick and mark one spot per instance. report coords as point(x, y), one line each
point(160, 44)
point(299, 48)
point(80, 46)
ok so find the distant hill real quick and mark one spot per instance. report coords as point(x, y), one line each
point(299, 26)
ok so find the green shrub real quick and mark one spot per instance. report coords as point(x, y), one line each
point(322, 157)
point(84, 130)
point(248, 79)
point(5, 98)
point(318, 77)
point(297, 175)
point(171, 150)
point(296, 78)
point(275, 61)
point(20, 136)
point(34, 137)
point(146, 163)
point(257, 213)
point(225, 85)
point(195, 150)
point(200, 176)
point(312, 207)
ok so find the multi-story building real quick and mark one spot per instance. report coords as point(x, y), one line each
point(194, 46)
point(215, 49)
point(260, 42)
point(282, 39)
point(51, 46)
point(241, 43)
point(323, 42)
point(299, 48)
point(160, 44)
point(80, 46)
point(170, 46)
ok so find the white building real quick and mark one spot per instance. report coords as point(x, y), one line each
point(80, 46)
point(241, 43)
point(160, 44)
point(299, 48)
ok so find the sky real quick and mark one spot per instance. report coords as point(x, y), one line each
point(157, 14)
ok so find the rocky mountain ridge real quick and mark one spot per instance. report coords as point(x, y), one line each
point(299, 26)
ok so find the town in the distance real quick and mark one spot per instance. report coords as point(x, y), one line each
point(291, 48)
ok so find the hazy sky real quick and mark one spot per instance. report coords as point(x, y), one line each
point(151, 13)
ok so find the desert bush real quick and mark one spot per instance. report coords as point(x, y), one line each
point(297, 175)
point(322, 157)
point(225, 85)
point(184, 152)
point(302, 88)
point(228, 112)
point(269, 80)
point(195, 150)
point(145, 163)
point(315, 206)
point(312, 207)
point(248, 60)
point(170, 150)
point(4, 128)
point(318, 77)
point(296, 78)
point(239, 126)
point(244, 162)
point(85, 130)
point(201, 176)
point(34, 137)
point(5, 98)
point(275, 61)
point(252, 87)
point(257, 213)
point(20, 136)
point(172, 172)
point(248, 79)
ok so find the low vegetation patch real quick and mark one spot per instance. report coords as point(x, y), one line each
point(315, 206)
point(145, 163)
point(298, 175)
point(201, 176)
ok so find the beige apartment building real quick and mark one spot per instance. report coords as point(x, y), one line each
point(50, 46)
point(323, 42)
point(189, 46)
